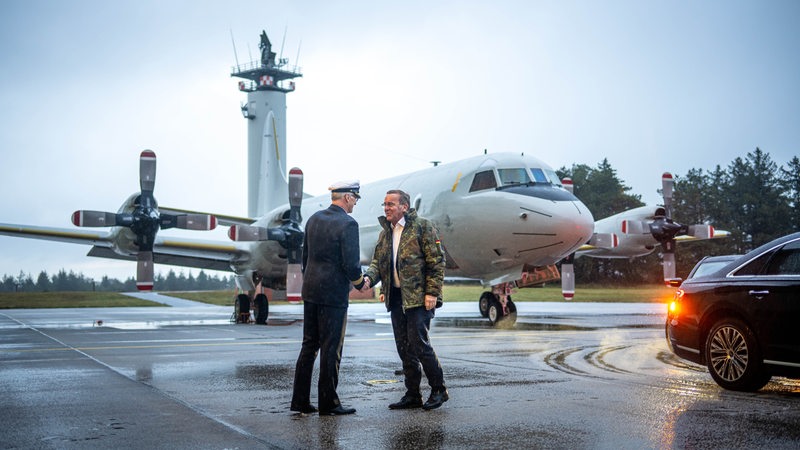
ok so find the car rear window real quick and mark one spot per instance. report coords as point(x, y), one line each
point(709, 267)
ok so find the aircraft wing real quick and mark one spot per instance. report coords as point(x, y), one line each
point(200, 254)
point(222, 219)
point(184, 252)
point(57, 234)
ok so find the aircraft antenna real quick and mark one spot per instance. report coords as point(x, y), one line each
point(235, 56)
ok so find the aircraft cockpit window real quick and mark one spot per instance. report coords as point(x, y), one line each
point(483, 180)
point(510, 177)
point(539, 176)
point(553, 177)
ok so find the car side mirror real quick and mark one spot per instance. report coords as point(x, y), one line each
point(675, 282)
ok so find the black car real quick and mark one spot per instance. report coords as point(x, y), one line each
point(742, 320)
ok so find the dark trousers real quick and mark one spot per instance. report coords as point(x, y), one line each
point(411, 330)
point(323, 329)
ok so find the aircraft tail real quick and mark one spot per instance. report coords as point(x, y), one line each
point(267, 180)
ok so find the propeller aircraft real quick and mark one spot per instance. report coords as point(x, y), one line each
point(637, 232)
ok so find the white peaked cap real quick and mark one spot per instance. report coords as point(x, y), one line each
point(345, 186)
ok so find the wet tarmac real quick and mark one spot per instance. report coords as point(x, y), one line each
point(568, 375)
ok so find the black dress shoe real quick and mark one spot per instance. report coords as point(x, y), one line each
point(305, 409)
point(436, 399)
point(338, 411)
point(407, 402)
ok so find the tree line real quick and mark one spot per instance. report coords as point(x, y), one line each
point(753, 197)
point(71, 281)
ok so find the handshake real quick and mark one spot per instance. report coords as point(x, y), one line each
point(366, 285)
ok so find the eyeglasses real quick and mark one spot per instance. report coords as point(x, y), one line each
point(355, 197)
point(389, 204)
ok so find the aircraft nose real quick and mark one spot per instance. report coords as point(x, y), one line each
point(583, 222)
point(574, 225)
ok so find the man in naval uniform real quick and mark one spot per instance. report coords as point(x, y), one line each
point(330, 269)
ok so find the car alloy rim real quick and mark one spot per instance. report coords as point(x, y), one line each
point(728, 353)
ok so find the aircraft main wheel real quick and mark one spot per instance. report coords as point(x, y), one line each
point(263, 309)
point(243, 312)
point(495, 312)
point(733, 356)
point(511, 318)
point(483, 304)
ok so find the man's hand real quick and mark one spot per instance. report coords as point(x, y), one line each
point(366, 285)
point(430, 302)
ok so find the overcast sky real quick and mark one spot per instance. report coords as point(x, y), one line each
point(653, 86)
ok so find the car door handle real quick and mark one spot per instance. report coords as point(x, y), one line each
point(758, 294)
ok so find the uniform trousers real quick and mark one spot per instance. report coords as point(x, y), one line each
point(323, 333)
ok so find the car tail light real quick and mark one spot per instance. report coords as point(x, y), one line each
point(673, 309)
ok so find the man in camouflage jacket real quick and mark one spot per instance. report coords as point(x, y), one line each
point(412, 289)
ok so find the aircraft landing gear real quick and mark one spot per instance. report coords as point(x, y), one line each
point(242, 308)
point(244, 302)
point(483, 304)
point(262, 308)
point(498, 306)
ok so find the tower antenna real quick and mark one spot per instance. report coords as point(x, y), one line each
point(283, 41)
point(235, 56)
point(297, 59)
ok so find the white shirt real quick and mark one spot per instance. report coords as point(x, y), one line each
point(397, 230)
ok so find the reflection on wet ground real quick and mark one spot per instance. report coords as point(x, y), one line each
point(541, 324)
point(563, 377)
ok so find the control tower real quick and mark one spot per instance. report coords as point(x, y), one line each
point(267, 83)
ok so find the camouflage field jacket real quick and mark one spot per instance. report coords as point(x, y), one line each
point(420, 261)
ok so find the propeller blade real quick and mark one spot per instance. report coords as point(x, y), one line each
point(667, 186)
point(94, 219)
point(144, 271)
point(568, 277)
point(604, 240)
point(197, 222)
point(295, 194)
point(668, 259)
point(701, 231)
point(246, 233)
point(147, 171)
point(567, 183)
point(669, 266)
point(632, 227)
point(294, 283)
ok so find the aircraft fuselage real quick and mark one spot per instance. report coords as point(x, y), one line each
point(515, 214)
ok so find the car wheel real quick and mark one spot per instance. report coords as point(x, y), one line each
point(733, 357)
point(483, 304)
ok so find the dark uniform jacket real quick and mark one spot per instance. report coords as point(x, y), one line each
point(330, 257)
point(420, 262)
